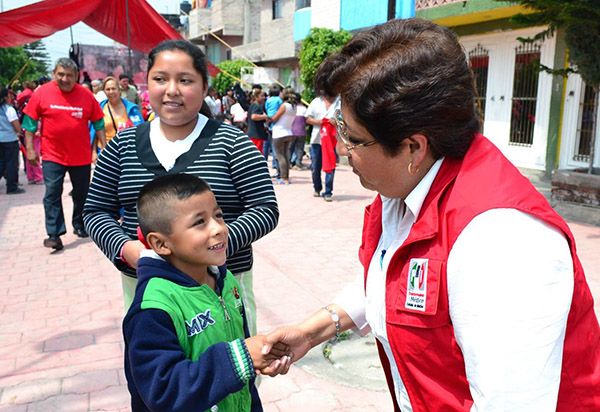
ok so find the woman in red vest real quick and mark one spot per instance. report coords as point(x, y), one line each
point(472, 285)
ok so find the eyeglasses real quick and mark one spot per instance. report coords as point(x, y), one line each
point(342, 133)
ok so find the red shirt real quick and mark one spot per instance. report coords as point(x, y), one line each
point(65, 122)
point(23, 98)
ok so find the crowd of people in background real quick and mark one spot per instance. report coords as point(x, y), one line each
point(280, 124)
point(276, 119)
point(63, 124)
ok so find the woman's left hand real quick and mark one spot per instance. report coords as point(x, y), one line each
point(131, 252)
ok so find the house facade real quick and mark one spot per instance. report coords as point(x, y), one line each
point(260, 31)
point(538, 120)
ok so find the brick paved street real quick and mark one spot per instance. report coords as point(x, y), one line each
point(60, 341)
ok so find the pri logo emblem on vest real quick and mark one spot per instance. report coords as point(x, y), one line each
point(416, 288)
point(198, 323)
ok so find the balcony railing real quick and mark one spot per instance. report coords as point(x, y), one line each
point(427, 4)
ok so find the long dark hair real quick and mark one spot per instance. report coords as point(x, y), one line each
point(198, 60)
point(3, 95)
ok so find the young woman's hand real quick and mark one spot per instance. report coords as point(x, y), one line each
point(131, 252)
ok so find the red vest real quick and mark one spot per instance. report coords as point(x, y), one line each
point(428, 357)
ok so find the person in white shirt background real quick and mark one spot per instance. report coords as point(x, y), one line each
point(97, 90)
point(9, 144)
point(214, 103)
point(283, 135)
point(472, 286)
point(320, 108)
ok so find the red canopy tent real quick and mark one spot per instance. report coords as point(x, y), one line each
point(147, 27)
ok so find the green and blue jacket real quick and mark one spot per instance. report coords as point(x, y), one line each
point(184, 343)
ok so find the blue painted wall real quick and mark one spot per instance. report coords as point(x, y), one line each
point(301, 23)
point(405, 9)
point(357, 14)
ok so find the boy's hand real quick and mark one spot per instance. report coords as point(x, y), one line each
point(261, 360)
point(277, 367)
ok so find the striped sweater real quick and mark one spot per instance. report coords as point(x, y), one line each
point(222, 155)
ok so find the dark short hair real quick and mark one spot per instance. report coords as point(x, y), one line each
point(154, 209)
point(66, 63)
point(274, 90)
point(198, 58)
point(406, 77)
point(124, 76)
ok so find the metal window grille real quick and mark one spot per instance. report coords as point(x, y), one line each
point(586, 126)
point(479, 60)
point(425, 4)
point(525, 88)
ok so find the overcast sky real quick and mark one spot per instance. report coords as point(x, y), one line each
point(58, 44)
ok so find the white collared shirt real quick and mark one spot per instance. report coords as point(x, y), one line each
point(167, 151)
point(510, 283)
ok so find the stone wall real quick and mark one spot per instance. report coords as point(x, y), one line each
point(577, 187)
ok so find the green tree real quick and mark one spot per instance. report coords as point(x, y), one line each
point(27, 62)
point(580, 20)
point(40, 58)
point(319, 44)
point(222, 82)
point(12, 59)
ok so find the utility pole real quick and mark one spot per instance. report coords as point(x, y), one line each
point(130, 66)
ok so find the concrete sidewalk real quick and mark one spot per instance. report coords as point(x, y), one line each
point(61, 344)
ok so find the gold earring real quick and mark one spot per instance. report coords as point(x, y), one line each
point(412, 171)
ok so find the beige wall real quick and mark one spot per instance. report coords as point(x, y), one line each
point(276, 36)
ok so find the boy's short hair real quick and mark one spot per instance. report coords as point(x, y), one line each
point(274, 90)
point(154, 210)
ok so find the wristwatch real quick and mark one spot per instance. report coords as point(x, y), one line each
point(336, 320)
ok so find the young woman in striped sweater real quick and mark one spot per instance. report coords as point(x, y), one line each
point(180, 140)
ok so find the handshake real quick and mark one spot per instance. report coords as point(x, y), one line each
point(272, 354)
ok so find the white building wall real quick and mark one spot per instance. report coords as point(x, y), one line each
point(326, 14)
point(501, 47)
point(571, 122)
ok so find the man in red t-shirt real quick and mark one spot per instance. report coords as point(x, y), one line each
point(64, 109)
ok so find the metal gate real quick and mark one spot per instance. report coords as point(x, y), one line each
point(479, 60)
point(586, 125)
point(524, 97)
